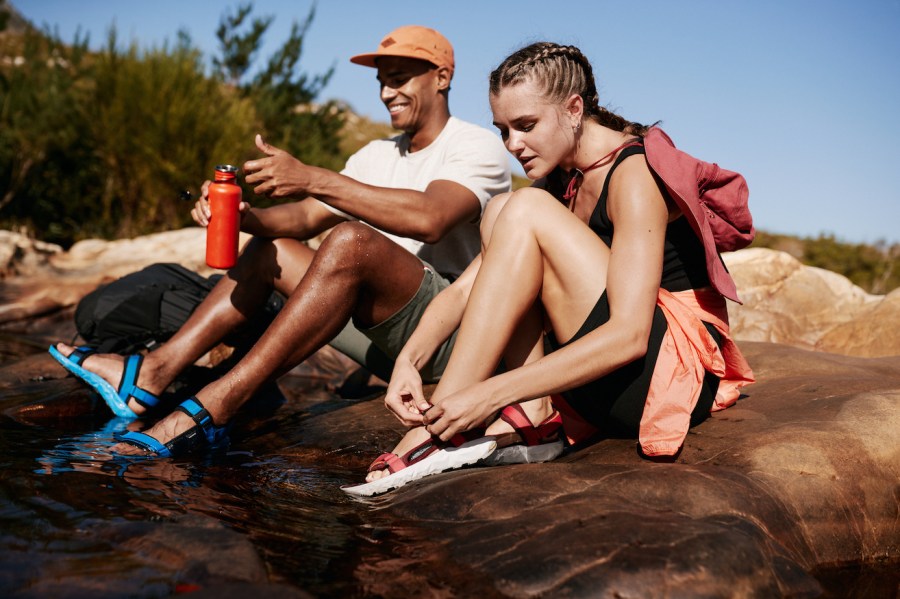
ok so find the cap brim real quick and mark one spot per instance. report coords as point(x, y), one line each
point(366, 60)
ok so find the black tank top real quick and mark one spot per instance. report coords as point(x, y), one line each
point(684, 261)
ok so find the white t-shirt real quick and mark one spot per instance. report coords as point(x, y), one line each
point(463, 153)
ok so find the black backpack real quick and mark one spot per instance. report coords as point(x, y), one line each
point(145, 308)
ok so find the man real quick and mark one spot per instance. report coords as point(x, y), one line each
point(423, 190)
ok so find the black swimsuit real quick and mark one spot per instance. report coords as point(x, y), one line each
point(615, 403)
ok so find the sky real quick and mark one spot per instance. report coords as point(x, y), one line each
point(799, 96)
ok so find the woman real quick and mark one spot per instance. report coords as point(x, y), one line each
point(596, 253)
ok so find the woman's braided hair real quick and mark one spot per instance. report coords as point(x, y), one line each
point(560, 71)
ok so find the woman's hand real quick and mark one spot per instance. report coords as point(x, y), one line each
point(200, 213)
point(460, 412)
point(404, 396)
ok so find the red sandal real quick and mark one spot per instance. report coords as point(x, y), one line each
point(432, 456)
point(529, 443)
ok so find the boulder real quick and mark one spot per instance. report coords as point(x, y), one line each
point(807, 307)
point(797, 478)
point(873, 332)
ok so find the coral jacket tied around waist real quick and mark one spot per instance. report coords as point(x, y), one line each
point(714, 200)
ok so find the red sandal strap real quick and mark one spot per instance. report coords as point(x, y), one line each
point(395, 463)
point(386, 460)
point(514, 415)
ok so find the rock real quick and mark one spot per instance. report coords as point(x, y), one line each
point(811, 308)
point(20, 255)
point(117, 258)
point(784, 301)
point(873, 333)
point(798, 476)
point(797, 480)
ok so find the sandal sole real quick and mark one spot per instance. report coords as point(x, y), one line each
point(523, 454)
point(449, 458)
point(98, 384)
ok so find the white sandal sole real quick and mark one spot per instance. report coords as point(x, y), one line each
point(450, 458)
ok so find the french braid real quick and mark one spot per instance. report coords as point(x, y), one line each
point(560, 71)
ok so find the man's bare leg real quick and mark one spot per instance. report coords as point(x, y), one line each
point(264, 265)
point(357, 272)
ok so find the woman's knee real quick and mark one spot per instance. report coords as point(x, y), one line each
point(524, 206)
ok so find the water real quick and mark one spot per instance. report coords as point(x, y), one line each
point(74, 522)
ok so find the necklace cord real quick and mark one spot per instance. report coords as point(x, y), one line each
point(571, 193)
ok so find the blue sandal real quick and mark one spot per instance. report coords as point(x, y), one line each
point(203, 434)
point(116, 399)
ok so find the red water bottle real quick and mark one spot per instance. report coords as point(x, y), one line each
point(224, 220)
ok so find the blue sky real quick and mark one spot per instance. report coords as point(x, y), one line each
point(800, 96)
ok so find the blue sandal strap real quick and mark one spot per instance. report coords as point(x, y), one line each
point(193, 408)
point(80, 354)
point(204, 433)
point(145, 442)
point(128, 388)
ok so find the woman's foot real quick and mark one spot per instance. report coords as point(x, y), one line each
point(415, 437)
point(537, 410)
point(110, 368)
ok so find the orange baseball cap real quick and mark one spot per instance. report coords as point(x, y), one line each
point(412, 41)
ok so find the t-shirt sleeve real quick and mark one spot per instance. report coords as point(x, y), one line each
point(478, 161)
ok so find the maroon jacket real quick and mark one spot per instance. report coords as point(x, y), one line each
point(713, 200)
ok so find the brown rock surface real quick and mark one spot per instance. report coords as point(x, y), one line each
point(784, 301)
point(800, 478)
point(802, 474)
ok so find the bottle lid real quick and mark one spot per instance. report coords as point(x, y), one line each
point(226, 173)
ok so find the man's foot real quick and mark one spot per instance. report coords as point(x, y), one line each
point(110, 367)
point(163, 431)
point(188, 427)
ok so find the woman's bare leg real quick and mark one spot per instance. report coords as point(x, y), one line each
point(264, 265)
point(536, 250)
point(357, 272)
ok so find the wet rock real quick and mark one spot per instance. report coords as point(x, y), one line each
point(243, 591)
point(201, 549)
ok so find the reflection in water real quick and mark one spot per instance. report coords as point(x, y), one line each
point(88, 452)
point(77, 521)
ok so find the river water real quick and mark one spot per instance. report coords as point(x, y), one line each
point(76, 523)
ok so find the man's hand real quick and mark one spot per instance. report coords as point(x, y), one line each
point(278, 175)
point(200, 213)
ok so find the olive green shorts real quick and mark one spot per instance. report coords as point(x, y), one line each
point(377, 347)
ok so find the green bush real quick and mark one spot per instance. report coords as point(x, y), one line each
point(102, 144)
